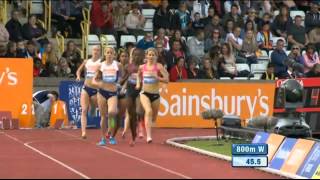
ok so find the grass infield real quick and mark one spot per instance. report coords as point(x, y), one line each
point(222, 147)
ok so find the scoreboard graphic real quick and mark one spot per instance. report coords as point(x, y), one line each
point(249, 155)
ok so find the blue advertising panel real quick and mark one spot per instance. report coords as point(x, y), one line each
point(260, 138)
point(70, 92)
point(311, 164)
point(283, 153)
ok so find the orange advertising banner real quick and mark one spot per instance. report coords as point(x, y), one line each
point(182, 103)
point(297, 156)
point(16, 83)
point(59, 111)
point(274, 142)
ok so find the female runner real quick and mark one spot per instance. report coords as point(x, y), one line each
point(89, 90)
point(152, 74)
point(134, 106)
point(107, 95)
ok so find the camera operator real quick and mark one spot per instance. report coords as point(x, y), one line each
point(295, 62)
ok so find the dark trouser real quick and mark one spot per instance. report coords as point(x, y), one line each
point(75, 25)
point(62, 24)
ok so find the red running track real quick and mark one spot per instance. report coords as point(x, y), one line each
point(61, 154)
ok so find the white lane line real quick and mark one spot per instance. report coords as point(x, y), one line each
point(138, 159)
point(49, 157)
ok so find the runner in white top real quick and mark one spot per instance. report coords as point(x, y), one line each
point(89, 90)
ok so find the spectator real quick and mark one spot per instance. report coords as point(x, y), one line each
point(176, 50)
point(265, 19)
point(49, 56)
point(135, 21)
point(102, 18)
point(183, 16)
point(290, 4)
point(4, 34)
point(129, 46)
point(73, 57)
point(178, 72)
point(208, 72)
point(234, 15)
point(31, 51)
point(217, 7)
point(14, 27)
point(201, 7)
point(278, 58)
point(269, 74)
point(32, 31)
point(249, 48)
point(3, 50)
point(310, 58)
point(21, 49)
point(282, 22)
point(295, 62)
point(314, 72)
point(177, 36)
point(227, 65)
point(163, 38)
point(252, 16)
point(215, 57)
point(314, 37)
point(207, 20)
point(215, 40)
point(196, 45)
point(147, 42)
point(76, 17)
point(63, 69)
point(193, 71)
point(229, 27)
point(11, 50)
point(249, 26)
point(312, 19)
point(61, 13)
point(38, 70)
point(163, 54)
point(163, 17)
point(214, 24)
point(119, 19)
point(264, 37)
point(235, 40)
point(297, 34)
point(197, 24)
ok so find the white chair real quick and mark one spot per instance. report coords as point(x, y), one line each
point(37, 7)
point(127, 38)
point(148, 13)
point(256, 77)
point(148, 27)
point(225, 78)
point(270, 52)
point(241, 78)
point(140, 38)
point(258, 68)
point(243, 67)
point(293, 14)
point(111, 40)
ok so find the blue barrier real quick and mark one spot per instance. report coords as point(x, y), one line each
point(283, 153)
point(70, 92)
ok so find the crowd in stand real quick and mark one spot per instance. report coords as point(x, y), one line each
point(196, 39)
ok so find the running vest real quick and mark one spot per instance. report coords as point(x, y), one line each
point(92, 67)
point(133, 71)
point(110, 73)
point(150, 76)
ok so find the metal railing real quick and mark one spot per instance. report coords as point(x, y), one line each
point(28, 8)
point(60, 42)
point(47, 15)
point(3, 11)
point(85, 28)
point(104, 42)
